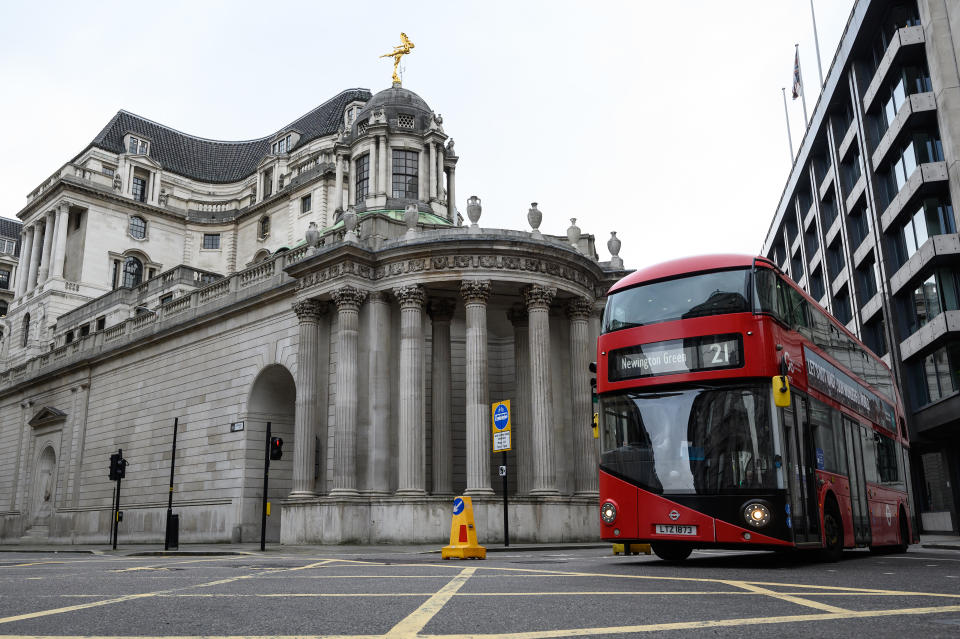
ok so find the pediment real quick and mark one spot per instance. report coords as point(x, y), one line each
point(47, 415)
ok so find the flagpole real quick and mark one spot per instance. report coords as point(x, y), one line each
point(786, 115)
point(803, 92)
point(816, 41)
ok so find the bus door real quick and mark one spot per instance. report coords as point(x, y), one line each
point(858, 482)
point(801, 476)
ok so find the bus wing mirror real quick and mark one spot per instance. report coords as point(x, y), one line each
point(781, 391)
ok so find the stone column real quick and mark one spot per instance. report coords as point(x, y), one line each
point(451, 196)
point(383, 183)
point(34, 257)
point(47, 243)
point(352, 183)
point(411, 479)
point(378, 400)
point(348, 301)
point(23, 268)
point(307, 411)
point(373, 175)
point(60, 240)
point(585, 457)
point(441, 312)
point(538, 300)
point(475, 294)
point(423, 187)
point(439, 172)
point(338, 184)
point(521, 412)
point(433, 171)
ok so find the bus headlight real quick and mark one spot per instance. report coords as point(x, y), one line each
point(608, 512)
point(756, 514)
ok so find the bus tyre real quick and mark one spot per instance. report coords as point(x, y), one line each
point(672, 551)
point(904, 534)
point(832, 534)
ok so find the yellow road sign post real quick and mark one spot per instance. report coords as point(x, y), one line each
point(501, 425)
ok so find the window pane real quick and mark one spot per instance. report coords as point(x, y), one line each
point(139, 189)
point(138, 227)
point(211, 240)
point(405, 174)
point(132, 272)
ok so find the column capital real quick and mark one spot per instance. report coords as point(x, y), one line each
point(309, 310)
point(518, 316)
point(475, 291)
point(441, 309)
point(348, 298)
point(579, 308)
point(538, 297)
point(410, 296)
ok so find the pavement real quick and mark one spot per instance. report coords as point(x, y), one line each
point(940, 542)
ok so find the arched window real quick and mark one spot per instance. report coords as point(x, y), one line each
point(264, 226)
point(138, 227)
point(132, 272)
point(26, 330)
point(3, 308)
point(262, 255)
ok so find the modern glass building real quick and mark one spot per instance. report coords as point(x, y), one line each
point(867, 225)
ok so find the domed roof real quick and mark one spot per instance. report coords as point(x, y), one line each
point(396, 97)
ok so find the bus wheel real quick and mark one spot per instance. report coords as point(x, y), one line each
point(672, 551)
point(904, 534)
point(832, 534)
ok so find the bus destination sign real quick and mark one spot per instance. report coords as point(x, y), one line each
point(691, 354)
point(833, 382)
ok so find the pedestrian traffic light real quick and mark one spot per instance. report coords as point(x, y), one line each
point(276, 448)
point(122, 468)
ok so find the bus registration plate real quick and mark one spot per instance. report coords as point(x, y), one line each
point(676, 529)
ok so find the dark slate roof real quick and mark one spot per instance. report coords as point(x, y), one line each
point(11, 229)
point(213, 160)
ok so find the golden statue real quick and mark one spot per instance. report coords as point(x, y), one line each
point(399, 51)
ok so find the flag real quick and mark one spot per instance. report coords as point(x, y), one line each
point(797, 84)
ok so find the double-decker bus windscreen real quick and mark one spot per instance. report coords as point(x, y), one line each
point(681, 298)
point(695, 440)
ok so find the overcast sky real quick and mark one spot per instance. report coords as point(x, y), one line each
point(662, 121)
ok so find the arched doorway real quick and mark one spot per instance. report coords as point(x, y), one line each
point(273, 399)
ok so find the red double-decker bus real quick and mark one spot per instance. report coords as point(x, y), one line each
point(735, 412)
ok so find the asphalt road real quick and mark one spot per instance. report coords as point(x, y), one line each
point(522, 594)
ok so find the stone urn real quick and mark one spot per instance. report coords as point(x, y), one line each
point(613, 245)
point(313, 236)
point(534, 217)
point(411, 215)
point(350, 225)
point(473, 212)
point(573, 233)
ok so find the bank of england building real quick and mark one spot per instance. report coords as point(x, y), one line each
point(320, 279)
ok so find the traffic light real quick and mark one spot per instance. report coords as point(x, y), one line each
point(276, 448)
point(593, 381)
point(118, 467)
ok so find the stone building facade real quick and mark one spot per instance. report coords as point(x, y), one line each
point(322, 280)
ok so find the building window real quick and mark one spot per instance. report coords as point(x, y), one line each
point(69, 337)
point(84, 330)
point(3, 312)
point(405, 120)
point(937, 376)
point(8, 246)
point(264, 229)
point(137, 146)
point(867, 281)
point(306, 203)
point(101, 323)
point(132, 272)
point(281, 146)
point(363, 176)
point(138, 227)
point(26, 330)
point(108, 171)
point(77, 220)
point(841, 306)
point(816, 284)
point(211, 240)
point(932, 218)
point(4, 279)
point(859, 224)
point(267, 183)
point(139, 189)
point(940, 292)
point(405, 174)
point(835, 261)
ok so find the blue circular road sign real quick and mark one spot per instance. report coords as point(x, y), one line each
point(458, 506)
point(501, 416)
